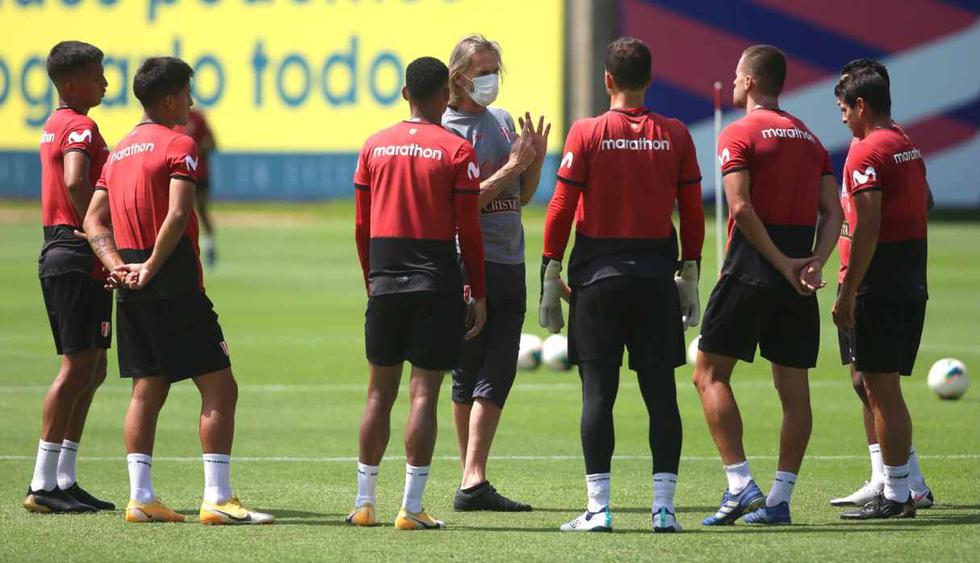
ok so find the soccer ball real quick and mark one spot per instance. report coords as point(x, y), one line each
point(529, 355)
point(948, 378)
point(554, 352)
point(692, 350)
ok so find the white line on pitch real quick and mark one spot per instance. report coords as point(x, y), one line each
point(345, 459)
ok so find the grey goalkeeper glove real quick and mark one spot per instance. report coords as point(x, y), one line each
point(687, 289)
point(549, 309)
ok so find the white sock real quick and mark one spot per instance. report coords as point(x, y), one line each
point(597, 485)
point(46, 466)
point(664, 487)
point(782, 488)
point(738, 475)
point(217, 478)
point(66, 464)
point(415, 479)
point(897, 482)
point(916, 481)
point(877, 465)
point(367, 478)
point(140, 481)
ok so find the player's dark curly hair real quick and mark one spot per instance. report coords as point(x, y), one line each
point(868, 64)
point(628, 61)
point(767, 66)
point(68, 57)
point(159, 77)
point(425, 76)
point(868, 85)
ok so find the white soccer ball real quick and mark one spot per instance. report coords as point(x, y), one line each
point(948, 378)
point(529, 355)
point(554, 352)
point(692, 350)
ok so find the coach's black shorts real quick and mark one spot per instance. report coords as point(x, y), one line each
point(177, 338)
point(488, 363)
point(642, 314)
point(423, 327)
point(886, 335)
point(79, 311)
point(783, 324)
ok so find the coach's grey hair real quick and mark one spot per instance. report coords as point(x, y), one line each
point(460, 57)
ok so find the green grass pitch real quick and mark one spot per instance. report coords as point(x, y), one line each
point(291, 301)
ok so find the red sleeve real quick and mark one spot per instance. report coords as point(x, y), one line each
point(862, 168)
point(690, 207)
point(103, 182)
point(466, 193)
point(362, 174)
point(558, 222)
point(828, 167)
point(81, 136)
point(574, 167)
point(734, 149)
point(182, 158)
point(690, 171)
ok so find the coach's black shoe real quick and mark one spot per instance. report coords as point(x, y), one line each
point(83, 497)
point(881, 507)
point(485, 497)
point(54, 501)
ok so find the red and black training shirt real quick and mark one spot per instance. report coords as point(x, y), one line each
point(66, 131)
point(198, 129)
point(137, 177)
point(786, 163)
point(620, 176)
point(417, 186)
point(887, 161)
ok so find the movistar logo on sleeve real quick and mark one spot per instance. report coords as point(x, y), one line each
point(869, 176)
point(191, 162)
point(725, 156)
point(472, 171)
point(566, 161)
point(84, 136)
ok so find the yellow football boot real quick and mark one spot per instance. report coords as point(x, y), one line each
point(362, 516)
point(155, 511)
point(232, 512)
point(417, 521)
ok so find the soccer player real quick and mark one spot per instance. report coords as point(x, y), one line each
point(168, 330)
point(921, 494)
point(199, 130)
point(417, 186)
point(881, 301)
point(781, 191)
point(619, 179)
point(79, 308)
point(510, 167)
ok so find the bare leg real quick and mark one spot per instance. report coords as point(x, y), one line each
point(76, 423)
point(219, 396)
point(892, 423)
point(712, 379)
point(149, 395)
point(376, 422)
point(483, 427)
point(420, 433)
point(869, 418)
point(73, 379)
point(461, 416)
point(794, 435)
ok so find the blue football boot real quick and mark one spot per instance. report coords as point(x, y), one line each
point(734, 506)
point(771, 515)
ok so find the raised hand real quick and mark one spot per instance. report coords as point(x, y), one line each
point(522, 152)
point(539, 135)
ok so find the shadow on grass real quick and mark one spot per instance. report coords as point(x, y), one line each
point(631, 510)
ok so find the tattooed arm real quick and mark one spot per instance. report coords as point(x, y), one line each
point(97, 226)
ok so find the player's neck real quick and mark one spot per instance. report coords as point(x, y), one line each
point(153, 117)
point(762, 102)
point(420, 114)
point(874, 124)
point(626, 99)
point(77, 108)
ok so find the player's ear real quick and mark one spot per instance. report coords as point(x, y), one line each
point(405, 93)
point(608, 79)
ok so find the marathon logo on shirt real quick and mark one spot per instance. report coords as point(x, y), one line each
point(414, 150)
point(635, 145)
point(135, 148)
point(509, 204)
point(788, 133)
point(907, 156)
point(47, 137)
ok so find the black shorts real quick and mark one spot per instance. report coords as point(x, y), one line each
point(423, 327)
point(79, 311)
point(177, 338)
point(203, 184)
point(642, 314)
point(488, 363)
point(783, 324)
point(885, 337)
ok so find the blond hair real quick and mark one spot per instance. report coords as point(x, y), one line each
point(459, 60)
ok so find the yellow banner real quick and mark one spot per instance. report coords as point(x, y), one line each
point(275, 75)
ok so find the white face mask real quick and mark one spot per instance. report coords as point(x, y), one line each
point(485, 89)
